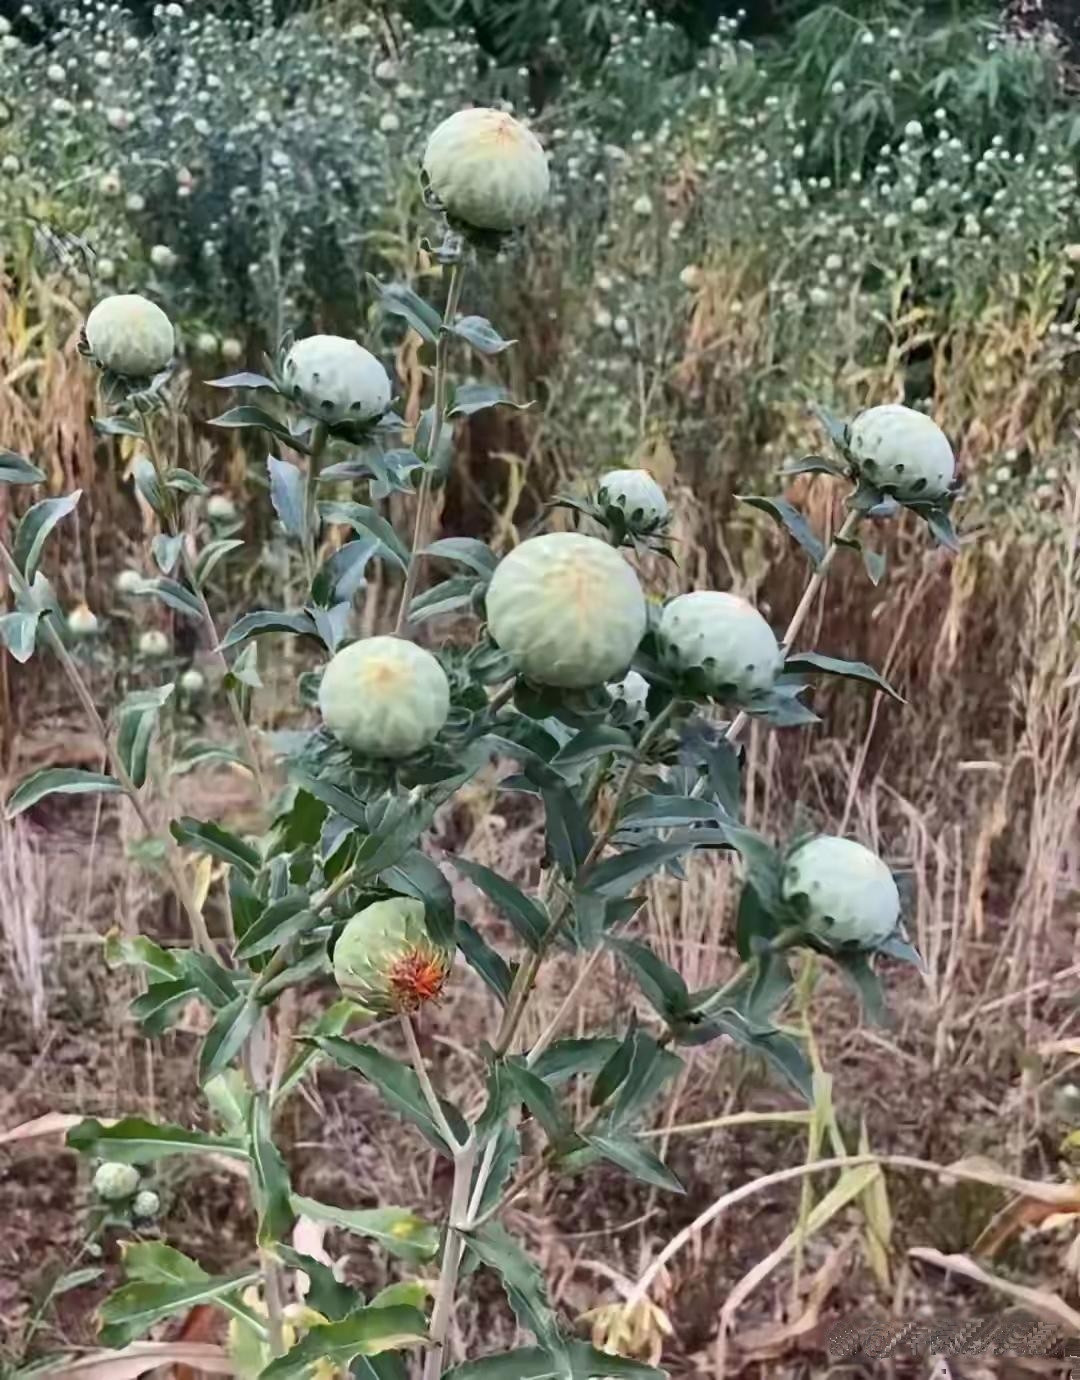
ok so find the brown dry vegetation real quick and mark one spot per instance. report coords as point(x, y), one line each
point(973, 787)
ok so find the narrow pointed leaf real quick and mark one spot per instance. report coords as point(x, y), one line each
point(480, 334)
point(398, 1230)
point(632, 1156)
point(137, 719)
point(265, 621)
point(244, 379)
point(367, 1332)
point(135, 1307)
point(18, 632)
point(211, 554)
point(258, 417)
point(464, 551)
point(58, 781)
point(33, 531)
point(802, 663)
point(16, 469)
point(527, 917)
point(399, 300)
point(269, 1176)
point(173, 594)
point(135, 1140)
point(789, 517)
point(522, 1281)
point(475, 397)
point(281, 921)
point(287, 494)
point(662, 986)
point(206, 837)
point(366, 520)
point(225, 1038)
point(534, 1363)
point(166, 551)
point(484, 960)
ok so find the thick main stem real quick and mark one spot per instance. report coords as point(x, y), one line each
point(441, 1313)
point(116, 765)
point(438, 410)
point(806, 603)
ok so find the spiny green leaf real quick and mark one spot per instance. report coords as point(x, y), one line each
point(225, 1038)
point(133, 1140)
point(326, 1294)
point(474, 397)
point(480, 334)
point(400, 300)
point(270, 1177)
point(398, 1230)
point(662, 986)
point(363, 1333)
point(522, 1281)
point(153, 1262)
point(259, 417)
point(527, 917)
point(364, 519)
point(285, 919)
point(264, 621)
point(135, 1307)
point(632, 1156)
point(484, 960)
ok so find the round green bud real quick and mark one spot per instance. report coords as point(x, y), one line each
point(147, 1204)
point(384, 697)
point(899, 449)
point(844, 893)
point(220, 508)
point(637, 496)
point(722, 636)
point(130, 335)
point(154, 643)
point(192, 682)
point(128, 581)
point(488, 170)
point(385, 958)
point(82, 621)
point(115, 1182)
point(336, 379)
point(567, 610)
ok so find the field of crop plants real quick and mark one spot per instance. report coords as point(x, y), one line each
point(540, 688)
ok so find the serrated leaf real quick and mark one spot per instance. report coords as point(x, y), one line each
point(398, 1084)
point(33, 531)
point(398, 1230)
point(153, 1262)
point(287, 494)
point(534, 1363)
point(470, 398)
point(173, 594)
point(528, 918)
point(257, 417)
point(648, 1069)
point(366, 1332)
point(326, 1294)
point(522, 1281)
point(540, 1100)
point(133, 1140)
point(632, 1156)
point(366, 520)
point(58, 781)
point(789, 517)
point(137, 720)
point(663, 987)
point(206, 837)
point(399, 300)
point(802, 663)
point(133, 1309)
point(281, 921)
point(480, 334)
point(16, 469)
point(225, 1038)
point(270, 1178)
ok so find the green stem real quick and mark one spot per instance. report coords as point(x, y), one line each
point(431, 1097)
point(453, 1249)
point(412, 574)
point(116, 765)
point(806, 603)
point(172, 522)
point(312, 524)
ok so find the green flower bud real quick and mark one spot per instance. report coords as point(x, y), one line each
point(336, 379)
point(384, 697)
point(567, 610)
point(147, 1204)
point(385, 958)
point(488, 170)
point(115, 1182)
point(902, 450)
point(637, 496)
point(722, 636)
point(130, 335)
point(842, 891)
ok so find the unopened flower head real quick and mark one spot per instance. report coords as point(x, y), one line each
point(336, 379)
point(154, 643)
point(842, 892)
point(721, 641)
point(487, 169)
point(567, 609)
point(636, 496)
point(114, 1182)
point(386, 960)
point(130, 335)
point(384, 697)
point(903, 452)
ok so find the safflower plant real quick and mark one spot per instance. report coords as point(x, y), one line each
point(622, 720)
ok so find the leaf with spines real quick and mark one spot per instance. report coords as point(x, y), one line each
point(284, 920)
point(566, 1059)
point(523, 1284)
point(398, 1084)
point(540, 1100)
point(397, 1230)
point(326, 1294)
point(153, 1262)
point(631, 1155)
point(134, 1308)
point(34, 528)
point(206, 837)
point(662, 986)
point(134, 1140)
point(528, 918)
point(367, 1332)
point(226, 1037)
point(270, 1177)
point(489, 965)
point(789, 517)
point(58, 781)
